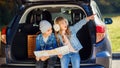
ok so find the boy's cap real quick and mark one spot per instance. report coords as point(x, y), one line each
point(44, 25)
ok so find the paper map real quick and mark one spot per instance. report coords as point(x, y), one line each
point(60, 50)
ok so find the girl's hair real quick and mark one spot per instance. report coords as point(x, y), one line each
point(68, 33)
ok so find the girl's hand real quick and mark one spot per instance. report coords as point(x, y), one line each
point(44, 58)
point(60, 56)
point(37, 58)
point(90, 17)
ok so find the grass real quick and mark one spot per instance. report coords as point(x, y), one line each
point(114, 33)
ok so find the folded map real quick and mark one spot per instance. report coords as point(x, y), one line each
point(60, 50)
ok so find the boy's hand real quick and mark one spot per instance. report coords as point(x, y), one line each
point(60, 55)
point(44, 58)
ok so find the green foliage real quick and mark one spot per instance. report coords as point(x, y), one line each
point(114, 32)
point(7, 10)
point(116, 3)
point(109, 6)
point(104, 2)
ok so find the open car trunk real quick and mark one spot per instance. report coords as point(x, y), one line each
point(23, 43)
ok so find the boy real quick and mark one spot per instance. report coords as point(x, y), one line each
point(45, 41)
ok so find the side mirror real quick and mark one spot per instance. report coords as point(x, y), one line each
point(108, 20)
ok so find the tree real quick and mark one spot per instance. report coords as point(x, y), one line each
point(7, 8)
point(116, 5)
point(109, 6)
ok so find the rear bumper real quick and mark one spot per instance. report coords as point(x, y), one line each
point(56, 66)
point(92, 66)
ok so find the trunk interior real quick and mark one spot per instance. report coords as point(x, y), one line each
point(22, 48)
point(20, 44)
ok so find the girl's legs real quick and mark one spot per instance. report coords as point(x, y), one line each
point(75, 60)
point(51, 62)
point(65, 61)
point(40, 64)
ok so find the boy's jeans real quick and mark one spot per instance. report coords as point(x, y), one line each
point(50, 63)
point(73, 57)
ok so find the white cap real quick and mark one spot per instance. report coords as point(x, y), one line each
point(44, 26)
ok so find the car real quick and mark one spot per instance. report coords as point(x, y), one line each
point(23, 29)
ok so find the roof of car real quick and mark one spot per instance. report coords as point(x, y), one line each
point(40, 1)
point(26, 3)
point(56, 0)
point(36, 1)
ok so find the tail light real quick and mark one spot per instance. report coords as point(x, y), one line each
point(3, 35)
point(100, 33)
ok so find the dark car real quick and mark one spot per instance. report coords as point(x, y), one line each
point(22, 31)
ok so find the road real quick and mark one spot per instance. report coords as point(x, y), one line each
point(115, 63)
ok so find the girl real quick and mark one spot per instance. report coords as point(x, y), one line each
point(45, 41)
point(67, 36)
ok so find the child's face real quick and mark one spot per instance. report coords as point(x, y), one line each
point(48, 32)
point(63, 25)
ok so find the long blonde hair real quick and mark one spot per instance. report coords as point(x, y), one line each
point(68, 33)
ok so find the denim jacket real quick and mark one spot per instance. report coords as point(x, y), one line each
point(50, 44)
point(73, 38)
